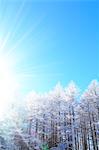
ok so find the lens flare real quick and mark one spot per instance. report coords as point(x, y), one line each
point(8, 85)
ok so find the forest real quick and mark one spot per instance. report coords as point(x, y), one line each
point(64, 118)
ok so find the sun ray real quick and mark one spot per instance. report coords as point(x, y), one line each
point(9, 76)
point(17, 23)
point(25, 35)
point(12, 31)
point(3, 44)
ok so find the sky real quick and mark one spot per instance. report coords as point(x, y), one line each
point(51, 41)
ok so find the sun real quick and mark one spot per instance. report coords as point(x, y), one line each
point(8, 85)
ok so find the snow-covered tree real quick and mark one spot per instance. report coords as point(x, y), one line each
point(60, 119)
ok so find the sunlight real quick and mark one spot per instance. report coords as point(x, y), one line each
point(8, 85)
point(13, 53)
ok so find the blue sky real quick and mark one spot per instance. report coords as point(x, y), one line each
point(53, 41)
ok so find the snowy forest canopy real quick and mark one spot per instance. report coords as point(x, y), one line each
point(61, 119)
